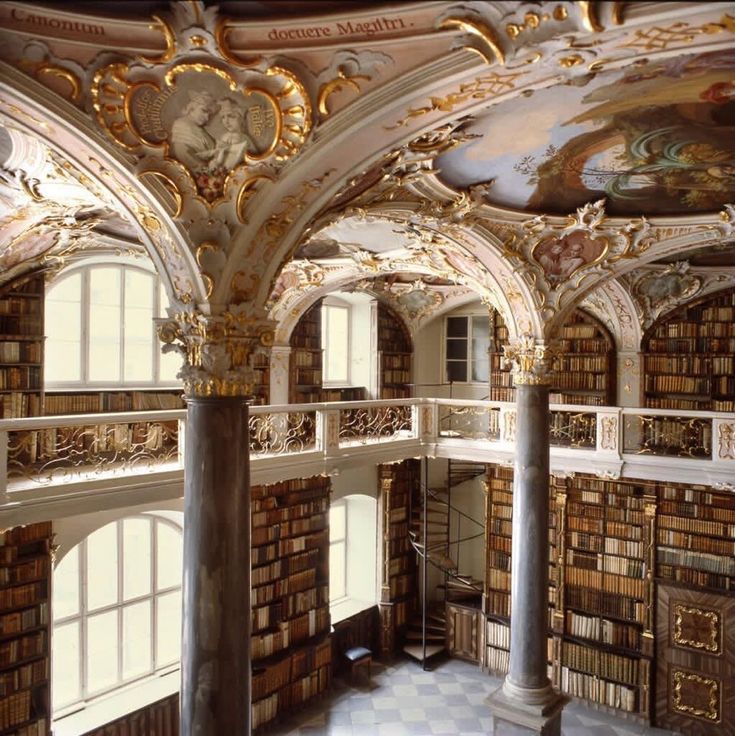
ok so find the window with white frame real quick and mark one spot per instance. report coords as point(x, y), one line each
point(338, 550)
point(100, 329)
point(336, 342)
point(466, 348)
point(116, 608)
point(353, 546)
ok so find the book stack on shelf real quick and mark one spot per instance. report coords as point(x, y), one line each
point(394, 352)
point(21, 349)
point(585, 369)
point(25, 591)
point(92, 402)
point(290, 594)
point(696, 537)
point(305, 382)
point(498, 530)
point(605, 613)
point(689, 358)
point(398, 486)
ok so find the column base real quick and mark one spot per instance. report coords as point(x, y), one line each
point(512, 717)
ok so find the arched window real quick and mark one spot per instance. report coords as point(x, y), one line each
point(100, 329)
point(116, 608)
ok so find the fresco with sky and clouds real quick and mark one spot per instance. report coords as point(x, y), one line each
point(655, 139)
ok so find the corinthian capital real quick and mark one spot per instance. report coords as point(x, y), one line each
point(532, 361)
point(217, 350)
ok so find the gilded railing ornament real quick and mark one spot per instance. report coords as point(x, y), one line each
point(218, 351)
point(531, 361)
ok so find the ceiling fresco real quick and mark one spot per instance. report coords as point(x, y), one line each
point(658, 139)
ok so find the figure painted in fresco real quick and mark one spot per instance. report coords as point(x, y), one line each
point(562, 257)
point(191, 143)
point(235, 141)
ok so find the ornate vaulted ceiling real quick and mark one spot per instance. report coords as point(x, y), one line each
point(537, 156)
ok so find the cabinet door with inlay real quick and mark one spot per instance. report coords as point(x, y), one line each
point(695, 676)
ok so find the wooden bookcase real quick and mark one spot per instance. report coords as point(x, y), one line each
point(290, 645)
point(612, 542)
point(586, 367)
point(25, 594)
point(21, 348)
point(394, 354)
point(399, 582)
point(689, 357)
point(305, 382)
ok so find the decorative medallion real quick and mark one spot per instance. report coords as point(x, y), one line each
point(698, 629)
point(562, 257)
point(726, 437)
point(696, 696)
point(204, 118)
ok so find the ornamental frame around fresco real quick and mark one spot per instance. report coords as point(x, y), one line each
point(208, 123)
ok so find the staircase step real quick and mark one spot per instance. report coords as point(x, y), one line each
point(417, 651)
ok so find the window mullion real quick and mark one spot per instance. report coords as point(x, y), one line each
point(154, 595)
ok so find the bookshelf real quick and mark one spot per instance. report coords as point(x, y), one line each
point(605, 606)
point(21, 348)
point(290, 645)
point(394, 354)
point(586, 366)
point(399, 581)
point(25, 593)
point(305, 382)
point(93, 402)
point(696, 537)
point(689, 357)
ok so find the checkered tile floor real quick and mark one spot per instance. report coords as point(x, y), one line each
point(403, 700)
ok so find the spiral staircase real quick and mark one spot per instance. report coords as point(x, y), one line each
point(434, 544)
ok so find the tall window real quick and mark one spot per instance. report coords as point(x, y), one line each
point(99, 323)
point(338, 550)
point(336, 341)
point(467, 344)
point(353, 550)
point(116, 608)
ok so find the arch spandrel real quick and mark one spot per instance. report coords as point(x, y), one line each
point(97, 166)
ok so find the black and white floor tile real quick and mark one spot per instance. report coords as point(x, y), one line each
point(402, 700)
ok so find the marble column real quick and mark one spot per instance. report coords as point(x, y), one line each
point(527, 703)
point(219, 352)
point(215, 661)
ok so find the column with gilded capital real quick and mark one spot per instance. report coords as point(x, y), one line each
point(527, 703)
point(215, 657)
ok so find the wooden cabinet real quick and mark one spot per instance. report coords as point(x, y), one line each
point(695, 652)
point(464, 632)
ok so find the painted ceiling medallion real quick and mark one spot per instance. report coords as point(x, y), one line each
point(210, 121)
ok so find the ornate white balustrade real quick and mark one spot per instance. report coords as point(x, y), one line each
point(115, 459)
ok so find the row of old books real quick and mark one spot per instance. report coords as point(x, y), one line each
point(394, 350)
point(25, 570)
point(290, 594)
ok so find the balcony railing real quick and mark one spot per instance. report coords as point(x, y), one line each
point(44, 456)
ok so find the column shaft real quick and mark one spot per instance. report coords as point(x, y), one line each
point(530, 547)
point(215, 661)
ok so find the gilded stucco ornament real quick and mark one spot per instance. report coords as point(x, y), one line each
point(218, 351)
point(211, 122)
point(532, 361)
point(660, 289)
